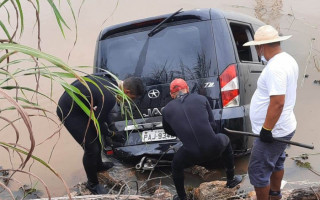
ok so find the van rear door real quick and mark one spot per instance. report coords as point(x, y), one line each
point(183, 49)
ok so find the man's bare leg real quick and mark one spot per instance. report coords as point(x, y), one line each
point(275, 182)
point(262, 192)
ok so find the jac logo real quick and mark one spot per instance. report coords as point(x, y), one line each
point(154, 93)
point(152, 112)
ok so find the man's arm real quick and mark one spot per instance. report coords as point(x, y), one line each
point(273, 114)
point(167, 128)
point(274, 111)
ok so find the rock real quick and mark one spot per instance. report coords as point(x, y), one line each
point(201, 171)
point(311, 193)
point(204, 173)
point(115, 177)
point(251, 195)
point(297, 194)
point(214, 190)
point(106, 179)
point(162, 193)
point(81, 190)
point(4, 172)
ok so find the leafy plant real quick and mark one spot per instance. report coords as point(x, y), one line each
point(301, 162)
point(19, 61)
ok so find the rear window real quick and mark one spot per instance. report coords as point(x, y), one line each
point(178, 51)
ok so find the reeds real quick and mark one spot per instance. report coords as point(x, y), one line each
point(18, 61)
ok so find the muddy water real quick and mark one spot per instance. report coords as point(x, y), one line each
point(298, 18)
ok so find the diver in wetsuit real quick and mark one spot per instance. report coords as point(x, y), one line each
point(189, 117)
point(76, 120)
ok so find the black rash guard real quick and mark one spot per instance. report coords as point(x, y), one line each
point(190, 118)
point(76, 120)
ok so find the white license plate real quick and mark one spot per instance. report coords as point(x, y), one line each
point(156, 135)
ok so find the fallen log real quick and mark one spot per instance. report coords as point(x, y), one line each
point(310, 193)
point(160, 194)
point(104, 197)
point(208, 190)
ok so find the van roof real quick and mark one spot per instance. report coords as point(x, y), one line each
point(199, 14)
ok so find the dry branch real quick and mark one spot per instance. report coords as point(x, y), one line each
point(106, 197)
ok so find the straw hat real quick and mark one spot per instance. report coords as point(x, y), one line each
point(266, 34)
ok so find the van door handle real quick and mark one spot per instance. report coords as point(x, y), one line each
point(255, 71)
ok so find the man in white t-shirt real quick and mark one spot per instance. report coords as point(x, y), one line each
point(271, 113)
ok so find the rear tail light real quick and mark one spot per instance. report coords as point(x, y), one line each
point(110, 152)
point(229, 85)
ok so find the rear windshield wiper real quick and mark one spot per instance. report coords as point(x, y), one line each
point(157, 29)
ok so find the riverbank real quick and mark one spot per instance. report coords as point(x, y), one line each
point(213, 190)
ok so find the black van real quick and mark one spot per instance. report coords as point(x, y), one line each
point(202, 46)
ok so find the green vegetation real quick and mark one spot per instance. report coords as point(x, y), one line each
point(19, 61)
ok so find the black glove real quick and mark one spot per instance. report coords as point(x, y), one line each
point(266, 135)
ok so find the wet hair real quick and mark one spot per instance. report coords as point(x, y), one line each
point(135, 85)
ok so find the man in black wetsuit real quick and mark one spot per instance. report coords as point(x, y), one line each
point(189, 117)
point(76, 120)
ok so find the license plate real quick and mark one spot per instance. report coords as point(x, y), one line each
point(156, 135)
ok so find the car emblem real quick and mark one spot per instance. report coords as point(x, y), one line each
point(154, 93)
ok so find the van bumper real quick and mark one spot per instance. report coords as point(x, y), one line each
point(153, 150)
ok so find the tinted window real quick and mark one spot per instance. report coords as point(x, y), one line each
point(181, 50)
point(242, 34)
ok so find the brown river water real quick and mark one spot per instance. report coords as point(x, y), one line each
point(292, 17)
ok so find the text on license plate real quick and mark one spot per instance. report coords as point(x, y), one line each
point(156, 135)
